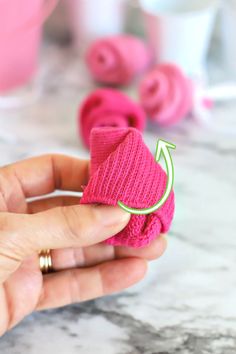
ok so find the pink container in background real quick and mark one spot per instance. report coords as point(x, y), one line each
point(20, 36)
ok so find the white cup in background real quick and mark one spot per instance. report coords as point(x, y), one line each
point(180, 31)
point(91, 19)
point(228, 27)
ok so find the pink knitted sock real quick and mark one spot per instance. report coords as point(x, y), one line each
point(111, 108)
point(122, 168)
point(166, 94)
point(118, 59)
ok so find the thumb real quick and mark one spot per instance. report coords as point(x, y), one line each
point(73, 226)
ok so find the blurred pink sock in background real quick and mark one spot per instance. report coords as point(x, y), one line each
point(109, 108)
point(118, 59)
point(166, 94)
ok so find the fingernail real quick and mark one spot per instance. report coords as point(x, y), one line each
point(111, 215)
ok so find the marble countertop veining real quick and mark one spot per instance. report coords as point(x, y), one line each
point(187, 303)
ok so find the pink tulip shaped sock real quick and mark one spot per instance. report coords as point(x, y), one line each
point(123, 168)
point(166, 94)
point(117, 60)
point(109, 108)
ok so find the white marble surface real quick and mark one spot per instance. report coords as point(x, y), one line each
point(187, 304)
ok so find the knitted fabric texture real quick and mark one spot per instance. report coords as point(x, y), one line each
point(166, 94)
point(118, 59)
point(109, 107)
point(122, 168)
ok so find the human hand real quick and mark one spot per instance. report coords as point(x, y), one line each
point(84, 267)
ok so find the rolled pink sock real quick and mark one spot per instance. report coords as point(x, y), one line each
point(109, 108)
point(123, 168)
point(166, 94)
point(117, 60)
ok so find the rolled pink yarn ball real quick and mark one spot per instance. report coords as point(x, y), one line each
point(109, 108)
point(117, 60)
point(166, 94)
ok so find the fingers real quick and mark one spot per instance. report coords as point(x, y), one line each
point(38, 206)
point(38, 176)
point(82, 257)
point(77, 285)
point(22, 290)
point(73, 226)
point(4, 318)
point(151, 252)
point(89, 256)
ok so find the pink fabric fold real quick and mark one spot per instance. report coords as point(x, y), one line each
point(166, 94)
point(117, 60)
point(122, 168)
point(109, 108)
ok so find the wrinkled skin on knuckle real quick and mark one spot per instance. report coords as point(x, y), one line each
point(12, 197)
point(81, 223)
point(4, 222)
point(3, 197)
point(11, 249)
point(70, 222)
point(92, 224)
point(10, 258)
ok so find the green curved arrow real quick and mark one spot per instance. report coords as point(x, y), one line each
point(162, 148)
